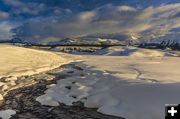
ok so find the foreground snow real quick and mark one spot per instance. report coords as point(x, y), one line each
point(130, 87)
point(16, 61)
point(7, 114)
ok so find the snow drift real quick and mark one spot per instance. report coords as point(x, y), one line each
point(129, 87)
point(7, 114)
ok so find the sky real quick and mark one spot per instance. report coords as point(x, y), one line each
point(44, 20)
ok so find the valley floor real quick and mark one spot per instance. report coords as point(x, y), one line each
point(133, 87)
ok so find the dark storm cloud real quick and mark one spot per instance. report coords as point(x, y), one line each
point(37, 8)
point(24, 10)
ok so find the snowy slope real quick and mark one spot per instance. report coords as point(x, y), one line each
point(21, 61)
point(133, 52)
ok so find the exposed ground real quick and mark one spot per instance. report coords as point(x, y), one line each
point(23, 100)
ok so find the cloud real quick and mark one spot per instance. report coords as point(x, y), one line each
point(5, 28)
point(126, 8)
point(3, 15)
point(108, 19)
point(14, 3)
point(19, 9)
point(87, 16)
point(162, 20)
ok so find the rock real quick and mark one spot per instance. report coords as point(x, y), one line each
point(1, 97)
point(78, 68)
point(2, 79)
point(70, 72)
point(78, 104)
point(26, 76)
point(68, 87)
point(82, 75)
point(73, 82)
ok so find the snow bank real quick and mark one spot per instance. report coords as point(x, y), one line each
point(7, 114)
point(130, 51)
point(16, 61)
point(133, 88)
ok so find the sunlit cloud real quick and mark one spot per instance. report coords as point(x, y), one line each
point(107, 20)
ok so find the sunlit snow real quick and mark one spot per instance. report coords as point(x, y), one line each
point(130, 87)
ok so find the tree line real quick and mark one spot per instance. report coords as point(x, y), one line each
point(162, 45)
